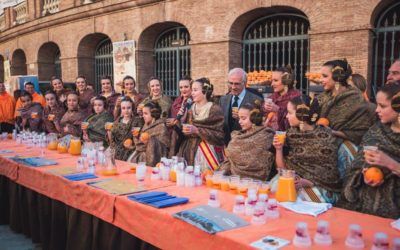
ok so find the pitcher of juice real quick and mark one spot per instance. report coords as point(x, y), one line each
point(286, 190)
point(53, 142)
point(75, 146)
point(110, 167)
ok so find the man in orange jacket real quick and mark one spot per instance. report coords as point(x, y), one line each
point(7, 103)
point(30, 88)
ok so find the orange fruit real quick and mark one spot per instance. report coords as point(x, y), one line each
point(323, 122)
point(158, 164)
point(144, 137)
point(373, 174)
point(127, 143)
point(271, 115)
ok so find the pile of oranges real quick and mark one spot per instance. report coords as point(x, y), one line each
point(261, 77)
point(314, 77)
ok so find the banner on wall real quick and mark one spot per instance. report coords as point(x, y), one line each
point(124, 62)
point(7, 70)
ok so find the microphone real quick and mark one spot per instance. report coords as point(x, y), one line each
point(187, 106)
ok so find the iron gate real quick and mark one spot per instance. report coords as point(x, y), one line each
point(103, 62)
point(275, 41)
point(172, 58)
point(57, 64)
point(386, 44)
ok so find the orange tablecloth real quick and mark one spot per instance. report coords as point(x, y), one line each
point(157, 226)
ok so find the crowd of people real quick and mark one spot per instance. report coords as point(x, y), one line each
point(326, 135)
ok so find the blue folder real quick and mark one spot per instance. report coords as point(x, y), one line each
point(158, 199)
point(80, 176)
point(34, 161)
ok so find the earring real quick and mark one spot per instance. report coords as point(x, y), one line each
point(285, 88)
point(301, 126)
point(337, 85)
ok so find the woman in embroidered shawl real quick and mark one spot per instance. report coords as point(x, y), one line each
point(203, 132)
point(30, 113)
point(348, 113)
point(58, 87)
point(107, 90)
point(155, 142)
point(156, 94)
point(120, 136)
point(283, 84)
point(70, 123)
point(93, 126)
point(85, 95)
point(129, 90)
point(312, 153)
point(359, 193)
point(248, 153)
point(52, 113)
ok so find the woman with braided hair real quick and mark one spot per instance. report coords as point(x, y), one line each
point(203, 129)
point(379, 194)
point(248, 153)
point(312, 153)
point(349, 115)
point(152, 141)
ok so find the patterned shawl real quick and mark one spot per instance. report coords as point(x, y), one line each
point(96, 130)
point(34, 124)
point(58, 112)
point(72, 119)
point(119, 133)
point(348, 112)
point(313, 155)
point(176, 106)
point(111, 100)
point(383, 200)
point(210, 130)
point(157, 146)
point(84, 101)
point(248, 153)
point(164, 102)
point(282, 101)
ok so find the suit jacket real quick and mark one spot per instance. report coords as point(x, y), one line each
point(231, 124)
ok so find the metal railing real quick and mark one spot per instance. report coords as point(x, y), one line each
point(103, 62)
point(276, 41)
point(20, 13)
point(50, 6)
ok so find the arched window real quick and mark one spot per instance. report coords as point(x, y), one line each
point(103, 61)
point(172, 55)
point(275, 41)
point(386, 44)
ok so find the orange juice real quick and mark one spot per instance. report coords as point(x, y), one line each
point(52, 145)
point(281, 136)
point(216, 185)
point(34, 115)
point(85, 125)
point(242, 191)
point(209, 182)
point(286, 190)
point(75, 147)
point(51, 117)
point(62, 148)
point(133, 169)
point(263, 190)
point(172, 175)
point(108, 125)
point(109, 172)
point(233, 188)
point(225, 186)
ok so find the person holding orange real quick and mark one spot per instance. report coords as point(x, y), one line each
point(153, 141)
point(7, 104)
point(52, 113)
point(30, 114)
point(311, 153)
point(120, 135)
point(373, 179)
point(70, 123)
point(38, 98)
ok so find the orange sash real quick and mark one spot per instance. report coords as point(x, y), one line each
point(209, 155)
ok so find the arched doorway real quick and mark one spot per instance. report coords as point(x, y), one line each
point(103, 63)
point(95, 58)
point(172, 58)
point(386, 41)
point(18, 63)
point(49, 61)
point(277, 40)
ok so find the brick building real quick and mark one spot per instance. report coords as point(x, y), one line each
point(202, 37)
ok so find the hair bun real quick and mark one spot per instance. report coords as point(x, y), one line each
point(396, 102)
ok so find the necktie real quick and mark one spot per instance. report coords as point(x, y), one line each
point(235, 101)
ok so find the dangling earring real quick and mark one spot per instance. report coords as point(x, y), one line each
point(285, 88)
point(301, 126)
point(337, 85)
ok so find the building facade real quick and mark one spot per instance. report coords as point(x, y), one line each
point(198, 37)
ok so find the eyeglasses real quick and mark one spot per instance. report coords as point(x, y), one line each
point(235, 83)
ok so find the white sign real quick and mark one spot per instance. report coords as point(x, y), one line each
point(124, 62)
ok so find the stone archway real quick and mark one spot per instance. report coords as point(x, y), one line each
point(18, 63)
point(48, 61)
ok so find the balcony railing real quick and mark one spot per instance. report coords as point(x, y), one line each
point(2, 22)
point(50, 6)
point(20, 13)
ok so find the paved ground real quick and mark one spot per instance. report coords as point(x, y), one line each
point(12, 241)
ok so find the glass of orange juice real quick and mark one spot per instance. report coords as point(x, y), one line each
point(84, 125)
point(281, 135)
point(216, 180)
point(108, 125)
point(135, 131)
point(264, 188)
point(234, 182)
point(34, 115)
point(209, 181)
point(224, 183)
point(286, 190)
point(243, 186)
point(51, 117)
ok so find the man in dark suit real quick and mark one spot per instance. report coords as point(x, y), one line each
point(237, 97)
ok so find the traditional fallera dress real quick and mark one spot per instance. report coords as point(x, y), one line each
point(281, 101)
point(34, 124)
point(164, 102)
point(84, 101)
point(58, 112)
point(156, 147)
point(206, 148)
point(248, 153)
point(383, 200)
point(96, 130)
point(72, 119)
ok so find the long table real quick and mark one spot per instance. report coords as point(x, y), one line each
point(157, 226)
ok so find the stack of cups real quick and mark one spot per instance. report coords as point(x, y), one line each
point(302, 238)
point(323, 236)
point(213, 200)
point(258, 214)
point(272, 211)
point(239, 207)
point(381, 242)
point(354, 238)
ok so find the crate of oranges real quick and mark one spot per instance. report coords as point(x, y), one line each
point(261, 77)
point(313, 77)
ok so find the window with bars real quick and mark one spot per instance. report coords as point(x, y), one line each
point(103, 62)
point(172, 58)
point(276, 41)
point(386, 44)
